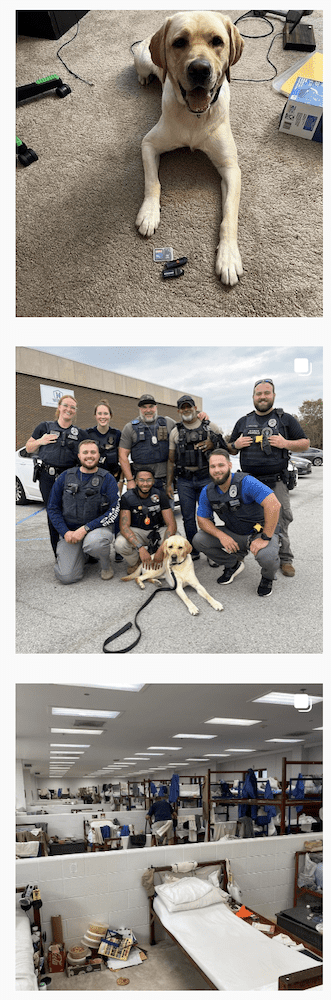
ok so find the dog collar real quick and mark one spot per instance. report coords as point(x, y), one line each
point(198, 113)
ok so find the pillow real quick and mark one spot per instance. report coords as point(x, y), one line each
point(190, 894)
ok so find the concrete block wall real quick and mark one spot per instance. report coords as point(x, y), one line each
point(106, 886)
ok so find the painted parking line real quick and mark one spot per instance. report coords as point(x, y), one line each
point(31, 515)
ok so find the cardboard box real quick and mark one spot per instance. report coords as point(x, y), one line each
point(303, 112)
point(56, 957)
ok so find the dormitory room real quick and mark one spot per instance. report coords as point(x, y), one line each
point(169, 837)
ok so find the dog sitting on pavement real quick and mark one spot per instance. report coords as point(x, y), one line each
point(177, 560)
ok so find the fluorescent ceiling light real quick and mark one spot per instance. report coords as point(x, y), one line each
point(196, 758)
point(233, 722)
point(70, 732)
point(111, 687)
point(317, 729)
point(193, 736)
point(164, 748)
point(240, 750)
point(86, 745)
point(85, 713)
point(217, 755)
point(150, 754)
point(68, 753)
point(282, 698)
point(276, 740)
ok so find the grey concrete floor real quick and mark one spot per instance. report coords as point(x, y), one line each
point(52, 618)
point(166, 968)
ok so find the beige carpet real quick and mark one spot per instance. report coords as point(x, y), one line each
point(77, 248)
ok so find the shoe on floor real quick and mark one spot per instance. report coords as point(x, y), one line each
point(107, 574)
point(118, 557)
point(132, 569)
point(195, 555)
point(265, 587)
point(212, 564)
point(287, 569)
point(230, 572)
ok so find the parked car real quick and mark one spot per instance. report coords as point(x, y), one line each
point(302, 464)
point(235, 461)
point(315, 455)
point(26, 489)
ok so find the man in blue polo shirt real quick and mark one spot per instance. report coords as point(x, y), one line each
point(250, 512)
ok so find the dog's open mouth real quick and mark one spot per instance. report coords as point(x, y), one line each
point(198, 100)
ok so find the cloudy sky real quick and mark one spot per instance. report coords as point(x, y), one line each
point(223, 376)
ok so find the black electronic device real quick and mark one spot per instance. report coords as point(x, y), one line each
point(297, 36)
point(47, 23)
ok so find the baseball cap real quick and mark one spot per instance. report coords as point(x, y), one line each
point(185, 399)
point(147, 399)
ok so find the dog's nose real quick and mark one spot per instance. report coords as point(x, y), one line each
point(199, 72)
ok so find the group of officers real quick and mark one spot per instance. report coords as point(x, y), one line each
point(81, 475)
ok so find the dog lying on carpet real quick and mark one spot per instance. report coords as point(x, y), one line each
point(178, 559)
point(191, 54)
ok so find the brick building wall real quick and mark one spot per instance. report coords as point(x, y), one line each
point(89, 386)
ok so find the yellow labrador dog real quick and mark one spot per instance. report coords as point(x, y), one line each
point(191, 54)
point(176, 558)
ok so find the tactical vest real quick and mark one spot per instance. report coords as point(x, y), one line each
point(254, 457)
point(62, 452)
point(107, 448)
point(146, 512)
point(143, 448)
point(186, 456)
point(238, 516)
point(82, 502)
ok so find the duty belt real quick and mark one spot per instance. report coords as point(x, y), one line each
point(52, 470)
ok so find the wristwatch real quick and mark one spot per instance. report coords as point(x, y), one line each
point(86, 528)
point(266, 538)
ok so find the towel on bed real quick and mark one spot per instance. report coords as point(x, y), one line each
point(184, 866)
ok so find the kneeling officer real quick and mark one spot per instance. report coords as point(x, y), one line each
point(83, 506)
point(249, 511)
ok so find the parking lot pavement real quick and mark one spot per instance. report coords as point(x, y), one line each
point(52, 618)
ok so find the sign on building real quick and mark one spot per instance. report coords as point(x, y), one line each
point(50, 394)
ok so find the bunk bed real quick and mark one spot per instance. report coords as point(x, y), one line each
point(26, 972)
point(285, 799)
point(212, 936)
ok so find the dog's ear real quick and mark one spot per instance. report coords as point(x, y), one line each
point(236, 44)
point(157, 48)
point(188, 546)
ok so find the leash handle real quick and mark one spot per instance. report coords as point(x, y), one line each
point(129, 624)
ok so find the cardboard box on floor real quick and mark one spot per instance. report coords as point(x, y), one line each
point(302, 115)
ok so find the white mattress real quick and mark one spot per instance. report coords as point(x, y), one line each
point(230, 952)
point(25, 978)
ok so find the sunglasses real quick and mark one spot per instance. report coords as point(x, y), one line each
point(261, 380)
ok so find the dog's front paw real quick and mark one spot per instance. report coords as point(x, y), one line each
point(218, 606)
point(228, 263)
point(148, 218)
point(140, 584)
point(192, 609)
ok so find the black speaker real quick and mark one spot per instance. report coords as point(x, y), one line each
point(47, 23)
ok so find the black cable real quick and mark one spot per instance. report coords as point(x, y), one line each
point(260, 18)
point(65, 64)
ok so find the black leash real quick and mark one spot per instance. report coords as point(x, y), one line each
point(129, 624)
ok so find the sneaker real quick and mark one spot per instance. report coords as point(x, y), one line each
point(265, 587)
point(212, 564)
point(230, 572)
point(287, 569)
point(195, 555)
point(107, 574)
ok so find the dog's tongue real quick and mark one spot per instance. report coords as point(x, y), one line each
point(198, 99)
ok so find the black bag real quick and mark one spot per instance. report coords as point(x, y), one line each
point(138, 839)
